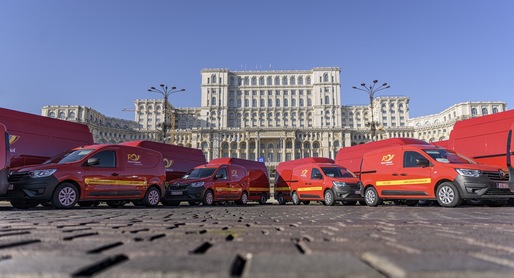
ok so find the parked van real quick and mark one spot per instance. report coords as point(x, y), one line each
point(317, 179)
point(351, 157)
point(34, 139)
point(4, 159)
point(177, 160)
point(426, 172)
point(91, 173)
point(217, 181)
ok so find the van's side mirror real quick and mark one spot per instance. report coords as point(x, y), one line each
point(317, 176)
point(93, 161)
point(423, 162)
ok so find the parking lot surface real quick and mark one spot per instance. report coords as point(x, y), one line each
point(257, 241)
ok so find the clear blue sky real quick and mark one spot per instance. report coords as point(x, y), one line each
point(106, 53)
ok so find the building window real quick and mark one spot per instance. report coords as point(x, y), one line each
point(308, 80)
point(484, 111)
point(325, 77)
point(277, 104)
point(277, 80)
point(473, 112)
point(246, 81)
point(254, 81)
point(292, 81)
point(269, 81)
point(301, 102)
point(213, 101)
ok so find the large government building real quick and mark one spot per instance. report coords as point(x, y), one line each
point(272, 116)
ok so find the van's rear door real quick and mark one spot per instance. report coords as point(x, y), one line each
point(4, 156)
point(509, 155)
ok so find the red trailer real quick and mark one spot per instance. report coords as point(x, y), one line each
point(177, 160)
point(33, 138)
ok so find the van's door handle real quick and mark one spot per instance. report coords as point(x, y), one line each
point(395, 174)
point(403, 174)
point(115, 174)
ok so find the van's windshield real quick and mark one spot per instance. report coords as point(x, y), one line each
point(337, 172)
point(69, 156)
point(446, 156)
point(199, 173)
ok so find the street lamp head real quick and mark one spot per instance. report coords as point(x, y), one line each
point(385, 84)
point(162, 85)
point(388, 87)
point(153, 88)
point(375, 81)
point(354, 87)
point(363, 84)
point(173, 88)
point(182, 90)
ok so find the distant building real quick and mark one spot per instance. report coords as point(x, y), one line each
point(271, 115)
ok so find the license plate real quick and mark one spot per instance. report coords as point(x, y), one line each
point(357, 192)
point(176, 193)
point(502, 185)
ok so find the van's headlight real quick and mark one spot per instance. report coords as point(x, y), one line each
point(197, 184)
point(41, 173)
point(340, 183)
point(468, 173)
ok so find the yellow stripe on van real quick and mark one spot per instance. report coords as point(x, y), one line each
point(260, 189)
point(403, 182)
point(282, 188)
point(309, 188)
point(113, 182)
point(220, 189)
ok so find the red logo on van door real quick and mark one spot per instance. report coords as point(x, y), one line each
point(134, 157)
point(304, 173)
point(167, 163)
point(387, 159)
point(13, 138)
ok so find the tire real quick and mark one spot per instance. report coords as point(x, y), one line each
point(152, 197)
point(411, 203)
point(46, 204)
point(65, 196)
point(171, 203)
point(244, 199)
point(510, 202)
point(349, 203)
point(495, 203)
point(328, 197)
point(263, 198)
point(281, 200)
point(88, 203)
point(192, 203)
point(306, 202)
point(295, 198)
point(116, 204)
point(362, 203)
point(474, 202)
point(447, 195)
point(24, 204)
point(371, 197)
point(208, 198)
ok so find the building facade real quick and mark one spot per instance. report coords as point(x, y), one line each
point(271, 116)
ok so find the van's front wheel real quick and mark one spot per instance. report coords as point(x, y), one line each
point(329, 198)
point(65, 196)
point(371, 197)
point(208, 198)
point(295, 198)
point(152, 197)
point(448, 195)
point(244, 199)
point(281, 200)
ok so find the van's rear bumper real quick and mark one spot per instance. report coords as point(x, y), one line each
point(483, 188)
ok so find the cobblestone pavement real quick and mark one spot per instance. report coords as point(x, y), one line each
point(257, 241)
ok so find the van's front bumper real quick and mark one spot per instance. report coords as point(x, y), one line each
point(27, 188)
point(347, 193)
point(483, 188)
point(188, 194)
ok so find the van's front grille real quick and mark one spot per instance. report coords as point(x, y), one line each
point(16, 177)
point(497, 176)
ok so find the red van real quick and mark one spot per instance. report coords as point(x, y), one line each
point(4, 159)
point(216, 181)
point(351, 157)
point(177, 160)
point(426, 172)
point(90, 173)
point(316, 179)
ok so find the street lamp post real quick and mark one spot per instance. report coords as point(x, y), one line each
point(165, 92)
point(371, 90)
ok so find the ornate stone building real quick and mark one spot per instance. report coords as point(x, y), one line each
point(437, 127)
point(270, 115)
